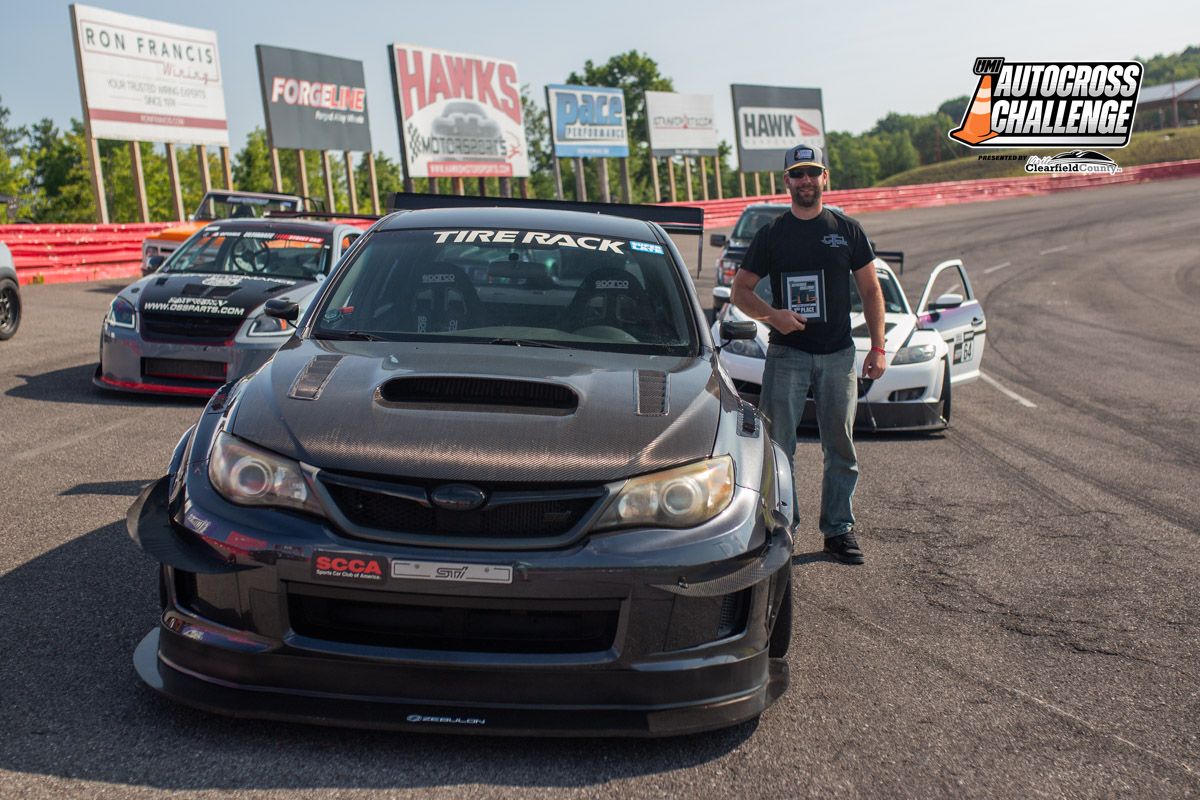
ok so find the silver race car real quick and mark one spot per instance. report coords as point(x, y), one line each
point(199, 321)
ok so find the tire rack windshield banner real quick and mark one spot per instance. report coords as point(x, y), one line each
point(587, 121)
point(149, 81)
point(313, 101)
point(459, 114)
point(771, 120)
point(681, 124)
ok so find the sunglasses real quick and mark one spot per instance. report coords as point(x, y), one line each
point(812, 172)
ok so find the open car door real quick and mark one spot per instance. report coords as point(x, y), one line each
point(958, 317)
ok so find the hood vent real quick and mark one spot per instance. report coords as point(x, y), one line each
point(652, 393)
point(312, 379)
point(479, 394)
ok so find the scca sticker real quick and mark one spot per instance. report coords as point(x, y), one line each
point(643, 247)
point(539, 238)
point(348, 568)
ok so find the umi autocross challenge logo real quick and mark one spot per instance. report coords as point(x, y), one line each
point(1051, 104)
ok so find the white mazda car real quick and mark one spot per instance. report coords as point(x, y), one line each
point(929, 351)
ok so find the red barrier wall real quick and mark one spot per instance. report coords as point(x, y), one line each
point(60, 253)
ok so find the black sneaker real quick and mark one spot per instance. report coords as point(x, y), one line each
point(844, 548)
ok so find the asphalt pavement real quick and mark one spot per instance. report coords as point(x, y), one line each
point(1026, 624)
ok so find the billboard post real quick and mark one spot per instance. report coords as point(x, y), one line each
point(687, 176)
point(302, 173)
point(671, 179)
point(328, 173)
point(276, 175)
point(654, 177)
point(580, 187)
point(626, 187)
point(350, 187)
point(703, 179)
point(205, 172)
point(139, 181)
point(173, 175)
point(374, 183)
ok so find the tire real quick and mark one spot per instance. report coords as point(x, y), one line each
point(10, 308)
point(781, 634)
point(946, 395)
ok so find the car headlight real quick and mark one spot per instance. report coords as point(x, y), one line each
point(250, 476)
point(749, 348)
point(122, 313)
point(270, 326)
point(914, 354)
point(675, 498)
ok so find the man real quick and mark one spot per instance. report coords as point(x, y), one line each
point(809, 255)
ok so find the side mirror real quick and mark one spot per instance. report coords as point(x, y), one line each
point(717, 240)
point(282, 309)
point(738, 330)
point(947, 301)
point(152, 264)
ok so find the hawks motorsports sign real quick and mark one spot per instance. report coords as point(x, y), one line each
point(771, 120)
point(149, 81)
point(313, 101)
point(459, 114)
point(681, 124)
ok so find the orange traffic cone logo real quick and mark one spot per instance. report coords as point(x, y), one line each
point(977, 124)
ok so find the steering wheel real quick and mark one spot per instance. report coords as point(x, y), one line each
point(249, 255)
point(607, 297)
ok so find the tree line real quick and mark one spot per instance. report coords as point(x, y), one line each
point(46, 168)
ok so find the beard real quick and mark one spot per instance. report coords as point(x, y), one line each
point(807, 196)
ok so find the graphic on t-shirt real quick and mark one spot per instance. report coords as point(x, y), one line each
point(805, 293)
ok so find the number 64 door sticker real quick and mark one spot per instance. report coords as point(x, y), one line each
point(963, 345)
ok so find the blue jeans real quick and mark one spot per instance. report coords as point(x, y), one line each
point(787, 377)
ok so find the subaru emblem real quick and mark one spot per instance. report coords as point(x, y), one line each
point(458, 497)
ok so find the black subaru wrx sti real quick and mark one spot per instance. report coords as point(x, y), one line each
point(495, 482)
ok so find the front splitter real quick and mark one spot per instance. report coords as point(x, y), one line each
point(394, 714)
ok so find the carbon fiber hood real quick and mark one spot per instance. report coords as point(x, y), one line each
point(348, 428)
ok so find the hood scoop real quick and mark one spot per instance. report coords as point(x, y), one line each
point(312, 379)
point(651, 392)
point(453, 392)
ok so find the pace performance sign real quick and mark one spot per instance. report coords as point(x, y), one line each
point(771, 120)
point(459, 114)
point(313, 101)
point(681, 124)
point(146, 80)
point(587, 121)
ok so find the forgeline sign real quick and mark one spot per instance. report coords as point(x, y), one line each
point(460, 114)
point(313, 101)
point(1051, 104)
point(151, 81)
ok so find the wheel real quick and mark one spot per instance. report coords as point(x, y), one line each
point(946, 395)
point(781, 634)
point(10, 308)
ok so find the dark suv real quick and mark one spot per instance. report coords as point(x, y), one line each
point(734, 248)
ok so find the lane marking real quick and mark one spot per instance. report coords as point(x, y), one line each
point(66, 442)
point(998, 266)
point(1006, 392)
point(1052, 250)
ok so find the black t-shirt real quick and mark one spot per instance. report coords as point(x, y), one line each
point(809, 262)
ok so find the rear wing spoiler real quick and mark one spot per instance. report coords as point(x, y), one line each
point(673, 219)
point(894, 258)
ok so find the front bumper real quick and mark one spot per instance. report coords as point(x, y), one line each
point(684, 650)
point(130, 363)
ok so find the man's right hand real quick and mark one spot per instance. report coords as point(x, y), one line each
point(785, 320)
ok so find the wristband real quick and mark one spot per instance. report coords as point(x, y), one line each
point(879, 350)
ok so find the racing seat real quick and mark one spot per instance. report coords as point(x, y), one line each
point(609, 296)
point(437, 297)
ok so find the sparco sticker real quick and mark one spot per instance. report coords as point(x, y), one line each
point(1051, 104)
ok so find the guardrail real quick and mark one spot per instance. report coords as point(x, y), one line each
point(718, 213)
point(61, 253)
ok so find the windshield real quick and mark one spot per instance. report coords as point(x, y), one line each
point(893, 300)
point(548, 288)
point(224, 206)
point(751, 220)
point(253, 252)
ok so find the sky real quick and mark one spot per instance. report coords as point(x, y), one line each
point(868, 58)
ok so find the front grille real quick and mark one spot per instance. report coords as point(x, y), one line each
point(190, 327)
point(184, 368)
point(469, 624)
point(381, 509)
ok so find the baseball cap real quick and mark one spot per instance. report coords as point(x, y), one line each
point(803, 155)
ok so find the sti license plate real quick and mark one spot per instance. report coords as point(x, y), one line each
point(440, 571)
